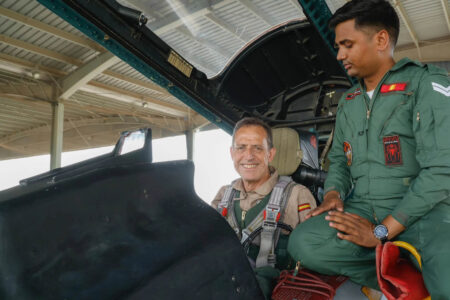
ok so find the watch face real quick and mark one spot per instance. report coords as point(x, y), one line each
point(380, 232)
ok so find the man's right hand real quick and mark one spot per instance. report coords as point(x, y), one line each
point(331, 201)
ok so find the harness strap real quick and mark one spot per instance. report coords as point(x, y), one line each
point(225, 204)
point(271, 216)
point(267, 219)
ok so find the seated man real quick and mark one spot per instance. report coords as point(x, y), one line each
point(390, 159)
point(261, 198)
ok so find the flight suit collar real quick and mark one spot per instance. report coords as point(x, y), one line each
point(261, 190)
point(403, 62)
point(399, 65)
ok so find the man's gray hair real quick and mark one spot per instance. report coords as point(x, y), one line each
point(250, 121)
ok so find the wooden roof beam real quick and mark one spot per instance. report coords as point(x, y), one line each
point(81, 76)
point(404, 16)
point(82, 41)
point(446, 12)
point(165, 107)
point(40, 51)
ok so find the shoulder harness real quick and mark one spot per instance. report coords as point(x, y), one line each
point(267, 219)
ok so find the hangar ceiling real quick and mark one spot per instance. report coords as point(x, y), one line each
point(44, 60)
point(47, 64)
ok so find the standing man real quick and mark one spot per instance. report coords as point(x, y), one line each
point(389, 177)
point(250, 200)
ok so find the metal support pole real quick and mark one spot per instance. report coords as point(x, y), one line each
point(190, 144)
point(57, 135)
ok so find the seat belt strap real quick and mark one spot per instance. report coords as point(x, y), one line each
point(225, 205)
point(271, 216)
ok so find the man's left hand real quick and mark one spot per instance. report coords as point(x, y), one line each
point(353, 228)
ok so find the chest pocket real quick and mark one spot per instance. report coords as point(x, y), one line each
point(398, 115)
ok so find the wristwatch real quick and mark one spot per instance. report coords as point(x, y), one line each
point(381, 233)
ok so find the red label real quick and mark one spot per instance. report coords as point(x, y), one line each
point(224, 211)
point(277, 219)
point(394, 87)
point(392, 151)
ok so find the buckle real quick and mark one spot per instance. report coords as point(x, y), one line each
point(272, 213)
point(245, 235)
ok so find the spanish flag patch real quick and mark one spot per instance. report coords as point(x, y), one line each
point(303, 207)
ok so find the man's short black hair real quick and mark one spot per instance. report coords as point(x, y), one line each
point(250, 121)
point(378, 14)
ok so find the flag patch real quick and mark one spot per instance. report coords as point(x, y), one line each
point(394, 87)
point(441, 89)
point(303, 207)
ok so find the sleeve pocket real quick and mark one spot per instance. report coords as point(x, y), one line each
point(442, 126)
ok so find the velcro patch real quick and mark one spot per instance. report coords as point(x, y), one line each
point(392, 151)
point(303, 207)
point(352, 96)
point(393, 87)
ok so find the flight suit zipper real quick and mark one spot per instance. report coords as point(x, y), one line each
point(369, 107)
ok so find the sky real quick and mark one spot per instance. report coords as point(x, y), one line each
point(213, 164)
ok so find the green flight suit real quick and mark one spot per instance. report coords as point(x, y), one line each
point(390, 155)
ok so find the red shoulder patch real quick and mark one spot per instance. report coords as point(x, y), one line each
point(352, 96)
point(393, 87)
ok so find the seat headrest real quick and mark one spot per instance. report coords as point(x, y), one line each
point(289, 154)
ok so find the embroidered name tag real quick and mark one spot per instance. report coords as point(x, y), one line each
point(394, 87)
point(392, 151)
point(352, 96)
point(303, 207)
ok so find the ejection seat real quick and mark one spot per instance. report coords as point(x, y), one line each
point(289, 153)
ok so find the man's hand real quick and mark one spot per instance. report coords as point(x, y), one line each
point(353, 228)
point(331, 201)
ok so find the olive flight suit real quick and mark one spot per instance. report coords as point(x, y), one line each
point(390, 156)
point(247, 205)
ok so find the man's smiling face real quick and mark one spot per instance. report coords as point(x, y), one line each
point(251, 155)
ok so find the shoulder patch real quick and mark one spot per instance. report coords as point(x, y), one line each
point(441, 89)
point(352, 96)
point(393, 87)
point(304, 206)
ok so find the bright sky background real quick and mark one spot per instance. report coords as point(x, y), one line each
point(213, 164)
